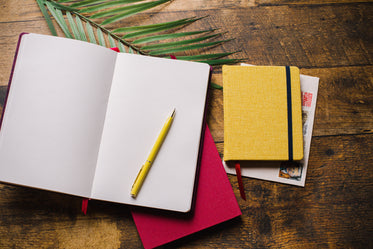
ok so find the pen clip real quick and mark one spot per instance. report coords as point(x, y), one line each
point(138, 174)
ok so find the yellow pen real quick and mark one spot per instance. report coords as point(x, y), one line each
point(153, 153)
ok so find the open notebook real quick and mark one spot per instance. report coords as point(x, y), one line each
point(81, 119)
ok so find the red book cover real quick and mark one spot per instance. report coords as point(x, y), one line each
point(215, 203)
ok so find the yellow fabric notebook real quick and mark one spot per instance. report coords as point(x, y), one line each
point(262, 113)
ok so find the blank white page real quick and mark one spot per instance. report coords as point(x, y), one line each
point(54, 115)
point(144, 92)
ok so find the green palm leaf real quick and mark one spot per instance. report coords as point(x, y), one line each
point(161, 27)
point(80, 20)
point(122, 48)
point(178, 43)
point(184, 48)
point(199, 57)
point(73, 26)
point(127, 11)
point(57, 14)
point(106, 5)
point(222, 61)
point(101, 38)
point(84, 3)
point(168, 36)
point(111, 41)
point(46, 16)
point(157, 25)
point(91, 35)
point(81, 29)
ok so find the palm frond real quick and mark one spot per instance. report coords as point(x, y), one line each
point(57, 14)
point(81, 30)
point(161, 27)
point(111, 41)
point(184, 48)
point(46, 16)
point(168, 36)
point(91, 35)
point(178, 43)
point(74, 27)
point(216, 86)
point(126, 11)
point(204, 57)
point(166, 25)
point(106, 5)
point(86, 20)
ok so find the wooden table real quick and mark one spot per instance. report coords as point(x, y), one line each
point(332, 40)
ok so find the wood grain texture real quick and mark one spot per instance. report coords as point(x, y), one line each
point(307, 36)
point(334, 209)
point(332, 40)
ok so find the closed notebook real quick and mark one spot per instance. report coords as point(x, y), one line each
point(215, 202)
point(262, 113)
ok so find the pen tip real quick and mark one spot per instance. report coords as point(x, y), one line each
point(173, 113)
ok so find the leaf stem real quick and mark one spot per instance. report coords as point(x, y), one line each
point(97, 26)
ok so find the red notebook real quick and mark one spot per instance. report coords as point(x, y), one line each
point(215, 203)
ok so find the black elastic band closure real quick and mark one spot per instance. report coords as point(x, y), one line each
point(290, 118)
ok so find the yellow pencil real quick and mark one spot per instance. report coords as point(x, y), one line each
point(153, 153)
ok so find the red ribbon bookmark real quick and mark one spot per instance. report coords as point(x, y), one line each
point(239, 180)
point(85, 205)
point(116, 49)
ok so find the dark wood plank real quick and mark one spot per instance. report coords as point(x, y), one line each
point(334, 209)
point(304, 2)
point(36, 218)
point(29, 8)
point(328, 39)
point(310, 36)
point(344, 104)
point(306, 36)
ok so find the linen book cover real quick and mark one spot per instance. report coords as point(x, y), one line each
point(262, 113)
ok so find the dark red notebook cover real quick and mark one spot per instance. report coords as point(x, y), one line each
point(215, 203)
